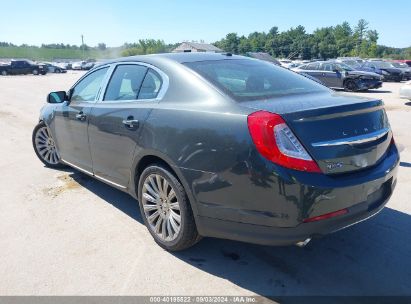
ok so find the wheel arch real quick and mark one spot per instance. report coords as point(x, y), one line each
point(152, 157)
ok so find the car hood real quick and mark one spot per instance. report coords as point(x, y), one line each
point(391, 70)
point(363, 73)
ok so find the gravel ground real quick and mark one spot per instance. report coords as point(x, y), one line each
point(63, 233)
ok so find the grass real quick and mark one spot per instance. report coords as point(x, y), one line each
point(53, 54)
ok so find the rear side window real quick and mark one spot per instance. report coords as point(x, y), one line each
point(246, 79)
point(125, 83)
point(151, 85)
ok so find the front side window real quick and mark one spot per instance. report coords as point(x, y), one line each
point(87, 89)
point(125, 83)
point(245, 79)
point(326, 67)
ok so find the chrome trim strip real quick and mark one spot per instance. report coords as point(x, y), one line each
point(360, 139)
point(90, 173)
point(110, 182)
point(77, 167)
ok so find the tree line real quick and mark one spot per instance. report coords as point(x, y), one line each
point(324, 43)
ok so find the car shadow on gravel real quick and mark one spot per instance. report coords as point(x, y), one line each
point(117, 198)
point(376, 91)
point(371, 258)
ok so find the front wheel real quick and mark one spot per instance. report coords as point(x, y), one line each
point(166, 210)
point(35, 72)
point(4, 73)
point(44, 146)
point(350, 85)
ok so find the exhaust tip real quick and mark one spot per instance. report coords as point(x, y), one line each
point(303, 243)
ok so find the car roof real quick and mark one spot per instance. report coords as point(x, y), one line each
point(180, 57)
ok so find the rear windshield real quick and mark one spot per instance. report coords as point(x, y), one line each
point(247, 79)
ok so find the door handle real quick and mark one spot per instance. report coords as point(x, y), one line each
point(81, 116)
point(131, 123)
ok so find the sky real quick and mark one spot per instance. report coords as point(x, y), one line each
point(116, 22)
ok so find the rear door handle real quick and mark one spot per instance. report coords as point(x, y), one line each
point(81, 116)
point(131, 123)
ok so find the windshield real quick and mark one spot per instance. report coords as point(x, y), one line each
point(352, 63)
point(246, 80)
point(345, 67)
point(384, 65)
point(399, 65)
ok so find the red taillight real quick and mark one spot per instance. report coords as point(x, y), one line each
point(276, 142)
point(325, 216)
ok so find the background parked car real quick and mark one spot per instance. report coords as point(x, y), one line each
point(385, 69)
point(18, 67)
point(357, 65)
point(78, 65)
point(285, 62)
point(52, 68)
point(88, 65)
point(406, 70)
point(408, 62)
point(64, 65)
point(341, 76)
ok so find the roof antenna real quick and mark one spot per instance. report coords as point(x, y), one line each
point(227, 54)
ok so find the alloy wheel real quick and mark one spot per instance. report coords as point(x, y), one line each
point(161, 207)
point(46, 147)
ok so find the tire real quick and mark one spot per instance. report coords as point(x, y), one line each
point(57, 71)
point(43, 145)
point(350, 85)
point(35, 72)
point(4, 73)
point(164, 210)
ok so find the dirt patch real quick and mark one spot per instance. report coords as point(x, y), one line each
point(67, 183)
point(4, 114)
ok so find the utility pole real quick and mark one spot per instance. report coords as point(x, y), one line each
point(82, 44)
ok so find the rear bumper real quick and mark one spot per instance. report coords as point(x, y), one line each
point(363, 194)
point(278, 236)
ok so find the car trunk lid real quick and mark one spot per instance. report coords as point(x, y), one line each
point(343, 134)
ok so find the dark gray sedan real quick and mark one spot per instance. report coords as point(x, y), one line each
point(223, 146)
point(341, 76)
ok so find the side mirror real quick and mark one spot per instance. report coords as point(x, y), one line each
point(57, 97)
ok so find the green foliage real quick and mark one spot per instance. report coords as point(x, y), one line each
point(324, 43)
point(146, 46)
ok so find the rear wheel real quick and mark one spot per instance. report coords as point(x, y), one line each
point(350, 85)
point(166, 210)
point(4, 73)
point(44, 146)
